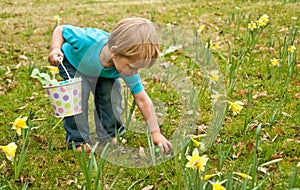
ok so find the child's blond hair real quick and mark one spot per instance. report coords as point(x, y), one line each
point(136, 39)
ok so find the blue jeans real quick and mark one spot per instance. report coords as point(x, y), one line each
point(107, 111)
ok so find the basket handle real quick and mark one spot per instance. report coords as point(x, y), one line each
point(60, 59)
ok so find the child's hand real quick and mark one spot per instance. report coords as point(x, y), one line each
point(163, 144)
point(53, 56)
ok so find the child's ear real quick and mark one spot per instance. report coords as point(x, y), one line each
point(113, 51)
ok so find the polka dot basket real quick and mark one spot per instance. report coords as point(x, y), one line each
point(65, 98)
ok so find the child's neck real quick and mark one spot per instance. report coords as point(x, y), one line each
point(105, 57)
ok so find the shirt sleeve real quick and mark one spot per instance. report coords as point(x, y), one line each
point(79, 37)
point(74, 36)
point(134, 83)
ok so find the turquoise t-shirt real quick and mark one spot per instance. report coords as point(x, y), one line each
point(82, 48)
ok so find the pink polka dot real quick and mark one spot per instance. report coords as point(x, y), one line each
point(76, 108)
point(60, 110)
point(62, 89)
point(54, 107)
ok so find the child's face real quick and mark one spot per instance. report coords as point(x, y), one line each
point(125, 66)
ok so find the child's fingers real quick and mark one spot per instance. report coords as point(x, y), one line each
point(161, 147)
point(165, 147)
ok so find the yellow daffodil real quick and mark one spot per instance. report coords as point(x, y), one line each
point(53, 69)
point(292, 49)
point(236, 106)
point(217, 185)
point(169, 26)
point(264, 18)
point(19, 124)
point(214, 46)
point(57, 19)
point(213, 76)
point(252, 25)
point(209, 176)
point(196, 161)
point(275, 62)
point(9, 150)
point(261, 23)
point(201, 28)
point(198, 144)
point(243, 175)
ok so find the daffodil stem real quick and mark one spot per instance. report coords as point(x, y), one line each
point(255, 156)
point(248, 107)
point(18, 165)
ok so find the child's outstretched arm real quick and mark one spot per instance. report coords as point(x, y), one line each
point(146, 107)
point(56, 43)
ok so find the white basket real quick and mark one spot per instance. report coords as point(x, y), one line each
point(65, 98)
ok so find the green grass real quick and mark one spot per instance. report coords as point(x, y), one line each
point(26, 29)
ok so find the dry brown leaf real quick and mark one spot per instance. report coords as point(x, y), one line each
point(70, 182)
point(295, 158)
point(148, 187)
point(155, 79)
point(23, 57)
point(251, 146)
point(243, 92)
point(18, 66)
point(293, 140)
point(266, 137)
point(165, 65)
point(142, 152)
point(297, 96)
point(262, 170)
point(38, 139)
point(242, 146)
point(260, 94)
point(276, 156)
point(278, 131)
point(201, 128)
point(270, 186)
point(3, 51)
point(253, 125)
point(228, 120)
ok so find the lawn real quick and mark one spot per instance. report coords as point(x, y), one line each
point(227, 86)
